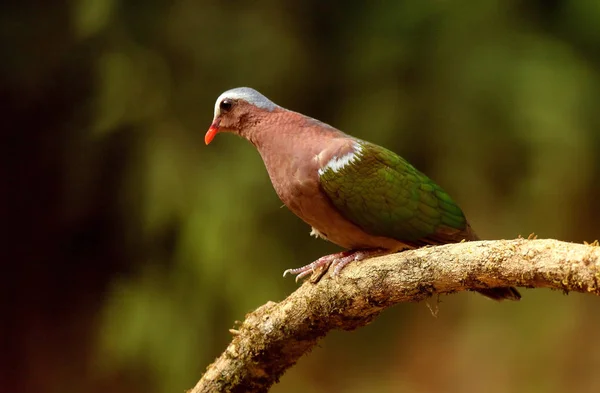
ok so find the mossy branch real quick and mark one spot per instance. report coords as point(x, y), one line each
point(276, 335)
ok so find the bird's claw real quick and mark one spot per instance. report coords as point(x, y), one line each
point(321, 264)
point(299, 274)
point(336, 261)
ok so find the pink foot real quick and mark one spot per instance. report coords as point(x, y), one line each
point(336, 261)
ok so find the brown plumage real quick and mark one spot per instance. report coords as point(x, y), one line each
point(353, 193)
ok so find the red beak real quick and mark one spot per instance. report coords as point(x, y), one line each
point(212, 131)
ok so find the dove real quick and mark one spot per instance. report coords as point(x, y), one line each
point(353, 193)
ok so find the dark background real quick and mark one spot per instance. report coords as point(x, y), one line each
point(130, 248)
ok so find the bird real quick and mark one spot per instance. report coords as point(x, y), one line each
point(353, 193)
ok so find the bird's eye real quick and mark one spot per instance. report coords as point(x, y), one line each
point(226, 105)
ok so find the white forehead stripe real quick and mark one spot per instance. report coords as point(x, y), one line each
point(337, 163)
point(249, 95)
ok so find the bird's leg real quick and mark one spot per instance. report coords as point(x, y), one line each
point(337, 261)
point(321, 263)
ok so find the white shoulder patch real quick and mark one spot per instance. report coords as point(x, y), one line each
point(337, 163)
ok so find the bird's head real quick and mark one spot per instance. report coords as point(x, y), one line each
point(235, 108)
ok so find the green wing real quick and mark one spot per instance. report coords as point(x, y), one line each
point(386, 196)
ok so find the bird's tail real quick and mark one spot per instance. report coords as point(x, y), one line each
point(501, 293)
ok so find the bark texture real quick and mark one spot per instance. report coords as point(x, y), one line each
point(276, 335)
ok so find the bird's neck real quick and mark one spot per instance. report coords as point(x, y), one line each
point(288, 139)
point(285, 133)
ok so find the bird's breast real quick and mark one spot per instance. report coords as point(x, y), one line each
point(297, 185)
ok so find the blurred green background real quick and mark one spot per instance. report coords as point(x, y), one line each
point(131, 248)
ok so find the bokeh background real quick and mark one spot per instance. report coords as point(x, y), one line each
point(130, 248)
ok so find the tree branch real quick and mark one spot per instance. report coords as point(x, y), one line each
point(273, 337)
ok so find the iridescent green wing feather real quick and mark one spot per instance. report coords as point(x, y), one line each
point(386, 196)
